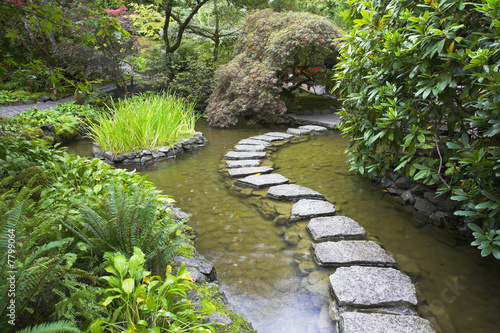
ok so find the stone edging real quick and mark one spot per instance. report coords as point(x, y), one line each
point(369, 295)
point(148, 156)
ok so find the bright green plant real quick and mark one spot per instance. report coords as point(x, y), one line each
point(147, 20)
point(146, 121)
point(124, 218)
point(8, 97)
point(140, 302)
point(420, 82)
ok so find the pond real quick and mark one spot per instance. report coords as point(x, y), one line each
point(258, 270)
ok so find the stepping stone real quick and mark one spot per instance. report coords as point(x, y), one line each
point(352, 252)
point(307, 208)
point(279, 135)
point(267, 138)
point(254, 142)
point(372, 287)
point(292, 192)
point(244, 155)
point(331, 228)
point(358, 322)
point(314, 128)
point(258, 181)
point(298, 131)
point(243, 172)
point(242, 163)
point(249, 148)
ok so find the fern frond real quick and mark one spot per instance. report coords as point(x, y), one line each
point(55, 327)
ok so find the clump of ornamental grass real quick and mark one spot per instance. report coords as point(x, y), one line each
point(144, 121)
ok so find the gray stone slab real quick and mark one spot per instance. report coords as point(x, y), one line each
point(314, 128)
point(249, 148)
point(242, 163)
point(243, 172)
point(244, 155)
point(358, 322)
point(352, 252)
point(308, 208)
point(372, 287)
point(298, 131)
point(258, 181)
point(332, 228)
point(267, 138)
point(254, 142)
point(280, 135)
point(292, 192)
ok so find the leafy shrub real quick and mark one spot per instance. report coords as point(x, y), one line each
point(145, 121)
point(147, 21)
point(139, 302)
point(271, 49)
point(8, 97)
point(420, 82)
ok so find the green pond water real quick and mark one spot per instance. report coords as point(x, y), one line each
point(257, 261)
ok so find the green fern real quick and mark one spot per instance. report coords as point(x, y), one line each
point(55, 327)
point(124, 219)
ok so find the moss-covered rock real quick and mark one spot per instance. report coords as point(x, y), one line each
point(30, 133)
point(34, 179)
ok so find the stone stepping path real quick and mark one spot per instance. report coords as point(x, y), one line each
point(364, 278)
point(243, 172)
point(358, 322)
point(372, 287)
point(333, 228)
point(243, 163)
point(308, 208)
point(243, 155)
point(298, 131)
point(254, 142)
point(292, 192)
point(352, 252)
point(260, 181)
point(249, 148)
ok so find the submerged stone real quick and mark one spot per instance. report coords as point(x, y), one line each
point(293, 192)
point(249, 148)
point(279, 135)
point(358, 322)
point(243, 172)
point(254, 142)
point(243, 163)
point(352, 252)
point(298, 131)
point(258, 181)
point(314, 128)
point(243, 155)
point(267, 138)
point(334, 228)
point(307, 208)
point(372, 287)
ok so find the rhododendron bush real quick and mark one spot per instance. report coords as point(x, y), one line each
point(272, 48)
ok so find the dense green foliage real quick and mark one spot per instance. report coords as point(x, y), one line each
point(273, 47)
point(420, 81)
point(145, 121)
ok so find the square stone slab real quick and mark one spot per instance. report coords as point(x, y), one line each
point(244, 155)
point(314, 128)
point(280, 135)
point(292, 192)
point(267, 138)
point(249, 148)
point(352, 252)
point(243, 172)
point(332, 228)
point(258, 181)
point(308, 208)
point(372, 287)
point(254, 142)
point(242, 163)
point(358, 322)
point(298, 131)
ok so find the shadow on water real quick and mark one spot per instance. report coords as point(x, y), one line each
point(272, 281)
